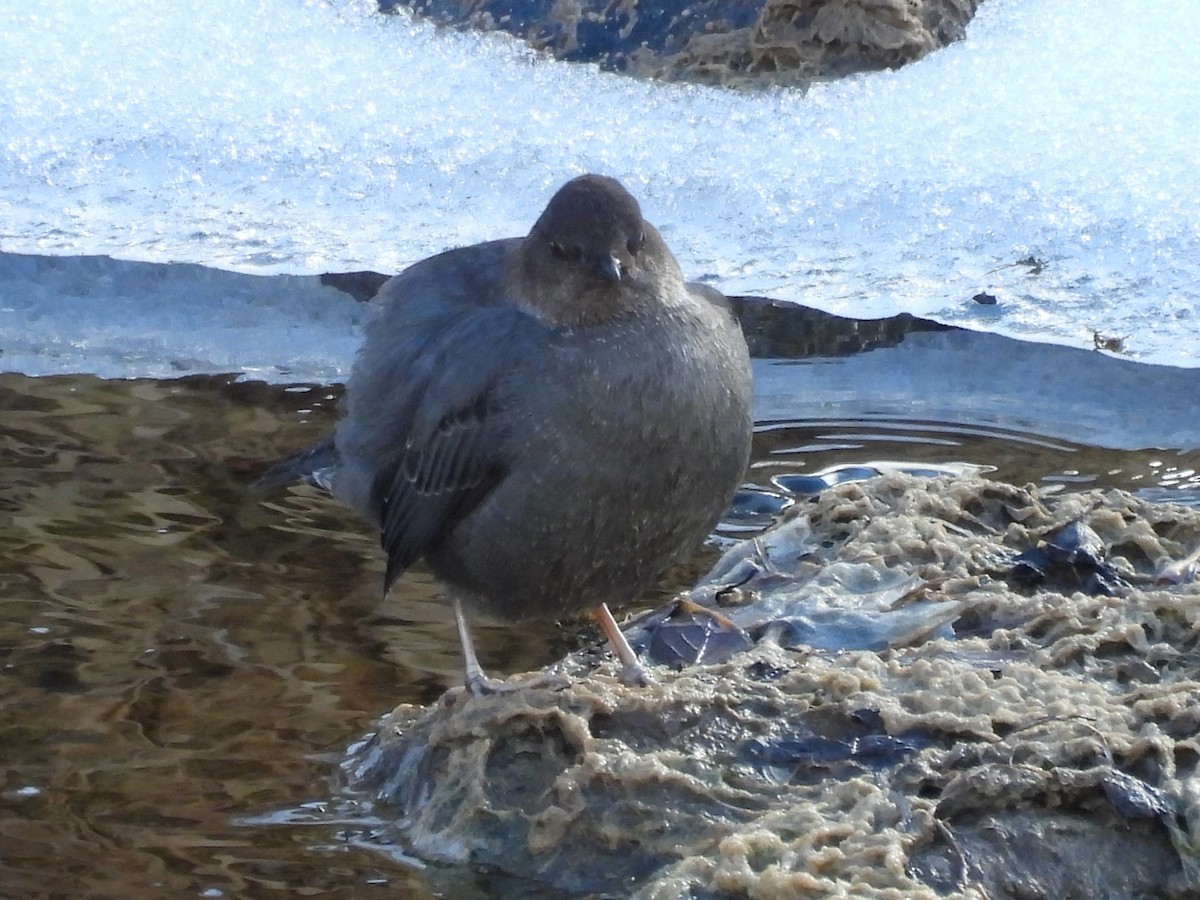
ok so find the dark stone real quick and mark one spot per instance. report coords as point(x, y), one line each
point(742, 42)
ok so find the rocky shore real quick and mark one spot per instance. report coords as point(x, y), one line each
point(935, 687)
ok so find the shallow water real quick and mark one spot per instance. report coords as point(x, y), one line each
point(182, 662)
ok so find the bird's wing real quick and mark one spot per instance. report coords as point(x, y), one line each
point(449, 433)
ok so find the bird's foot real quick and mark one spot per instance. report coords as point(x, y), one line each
point(478, 685)
point(635, 675)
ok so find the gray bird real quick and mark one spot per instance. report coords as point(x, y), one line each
point(549, 421)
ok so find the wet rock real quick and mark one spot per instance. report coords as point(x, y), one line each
point(1074, 554)
point(993, 746)
point(776, 328)
point(362, 286)
point(728, 42)
point(1019, 855)
point(684, 634)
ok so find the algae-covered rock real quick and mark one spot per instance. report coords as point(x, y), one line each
point(1029, 740)
point(729, 42)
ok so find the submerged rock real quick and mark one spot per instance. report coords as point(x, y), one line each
point(931, 731)
point(727, 42)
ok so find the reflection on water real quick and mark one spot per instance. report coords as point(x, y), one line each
point(182, 661)
point(1163, 475)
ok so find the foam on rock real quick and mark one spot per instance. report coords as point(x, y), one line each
point(1055, 717)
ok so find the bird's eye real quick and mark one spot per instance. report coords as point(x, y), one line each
point(570, 254)
point(634, 244)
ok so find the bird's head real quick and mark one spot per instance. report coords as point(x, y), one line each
point(590, 256)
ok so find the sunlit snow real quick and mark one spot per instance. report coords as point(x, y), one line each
point(283, 137)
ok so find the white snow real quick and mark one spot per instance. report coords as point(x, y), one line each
point(274, 136)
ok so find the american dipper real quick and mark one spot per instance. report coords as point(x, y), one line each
point(548, 421)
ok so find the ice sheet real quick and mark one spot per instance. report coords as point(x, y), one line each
point(279, 137)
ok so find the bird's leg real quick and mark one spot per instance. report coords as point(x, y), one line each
point(476, 683)
point(473, 678)
point(632, 671)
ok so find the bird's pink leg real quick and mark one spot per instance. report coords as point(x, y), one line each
point(632, 671)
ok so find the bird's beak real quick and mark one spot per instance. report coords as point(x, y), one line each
point(608, 267)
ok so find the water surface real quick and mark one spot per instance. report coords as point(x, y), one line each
point(184, 662)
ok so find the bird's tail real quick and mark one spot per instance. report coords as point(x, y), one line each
point(313, 465)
